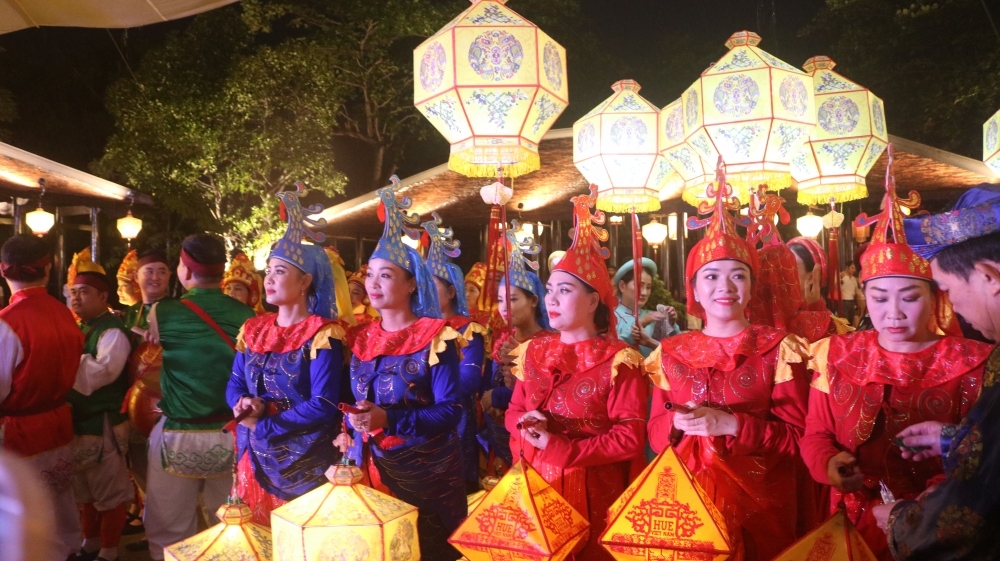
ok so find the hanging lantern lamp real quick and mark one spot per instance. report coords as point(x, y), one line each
point(752, 109)
point(849, 137)
point(835, 540)
point(991, 143)
point(615, 147)
point(492, 83)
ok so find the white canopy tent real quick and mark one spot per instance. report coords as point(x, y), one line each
point(20, 14)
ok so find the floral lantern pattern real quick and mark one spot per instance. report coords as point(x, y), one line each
point(688, 165)
point(235, 538)
point(665, 514)
point(345, 519)
point(849, 137)
point(752, 109)
point(615, 147)
point(492, 83)
point(523, 517)
point(835, 540)
point(991, 143)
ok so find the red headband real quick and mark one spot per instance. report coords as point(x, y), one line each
point(152, 258)
point(25, 273)
point(92, 279)
point(203, 269)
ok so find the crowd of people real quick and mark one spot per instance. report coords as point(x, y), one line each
point(253, 386)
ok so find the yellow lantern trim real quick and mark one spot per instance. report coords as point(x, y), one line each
point(492, 83)
point(849, 137)
point(665, 510)
point(235, 537)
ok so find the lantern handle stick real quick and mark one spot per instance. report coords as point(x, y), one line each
point(506, 257)
point(636, 267)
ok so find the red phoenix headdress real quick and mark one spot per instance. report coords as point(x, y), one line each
point(585, 258)
point(777, 295)
point(721, 240)
point(889, 255)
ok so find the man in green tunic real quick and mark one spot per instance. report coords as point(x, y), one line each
point(188, 452)
point(153, 276)
point(101, 482)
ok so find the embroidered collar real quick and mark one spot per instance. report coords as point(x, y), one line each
point(262, 334)
point(550, 354)
point(859, 358)
point(458, 322)
point(698, 350)
point(370, 340)
point(506, 334)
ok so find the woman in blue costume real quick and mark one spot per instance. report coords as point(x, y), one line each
point(528, 319)
point(405, 377)
point(288, 374)
point(450, 284)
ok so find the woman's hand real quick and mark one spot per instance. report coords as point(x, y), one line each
point(641, 337)
point(651, 317)
point(926, 435)
point(881, 514)
point(508, 346)
point(843, 472)
point(509, 379)
point(706, 421)
point(534, 429)
point(254, 405)
point(372, 418)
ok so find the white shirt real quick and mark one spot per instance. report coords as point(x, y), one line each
point(94, 373)
point(11, 355)
point(848, 286)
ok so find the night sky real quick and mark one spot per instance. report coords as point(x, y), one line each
point(59, 75)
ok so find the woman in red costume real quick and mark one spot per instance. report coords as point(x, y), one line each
point(777, 298)
point(580, 401)
point(872, 384)
point(810, 261)
point(746, 387)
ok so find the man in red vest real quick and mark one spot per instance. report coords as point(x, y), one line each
point(40, 348)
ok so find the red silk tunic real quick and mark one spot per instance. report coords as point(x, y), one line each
point(594, 397)
point(863, 395)
point(756, 478)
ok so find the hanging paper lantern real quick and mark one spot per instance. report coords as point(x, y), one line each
point(991, 143)
point(235, 538)
point(492, 83)
point(850, 135)
point(665, 514)
point(523, 517)
point(690, 168)
point(752, 109)
point(615, 147)
point(345, 520)
point(835, 540)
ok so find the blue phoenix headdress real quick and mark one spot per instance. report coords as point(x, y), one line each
point(398, 223)
point(520, 276)
point(443, 248)
point(307, 258)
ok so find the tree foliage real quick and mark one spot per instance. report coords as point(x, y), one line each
point(218, 120)
point(936, 64)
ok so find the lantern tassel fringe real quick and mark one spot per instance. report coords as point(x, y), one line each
point(528, 162)
point(839, 192)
